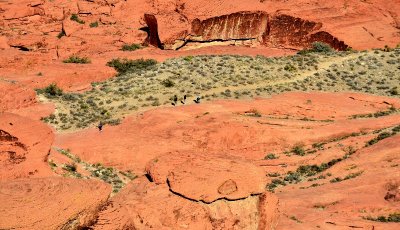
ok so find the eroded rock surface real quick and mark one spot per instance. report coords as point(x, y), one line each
point(210, 159)
point(37, 36)
point(208, 179)
point(60, 203)
point(154, 206)
point(258, 28)
point(24, 145)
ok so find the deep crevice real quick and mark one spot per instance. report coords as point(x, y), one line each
point(148, 177)
point(204, 202)
point(22, 48)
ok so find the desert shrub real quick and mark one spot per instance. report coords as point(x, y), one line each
point(393, 217)
point(321, 47)
point(394, 91)
point(70, 97)
point(51, 90)
point(94, 24)
point(70, 167)
point(270, 156)
point(298, 150)
point(188, 58)
point(390, 111)
point(131, 47)
point(77, 60)
point(380, 137)
point(317, 47)
point(387, 48)
point(167, 83)
point(113, 122)
point(123, 66)
point(75, 17)
point(290, 68)
point(350, 176)
point(275, 183)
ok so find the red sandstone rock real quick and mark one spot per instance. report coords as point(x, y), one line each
point(15, 96)
point(210, 179)
point(207, 178)
point(154, 206)
point(342, 205)
point(59, 203)
point(293, 25)
point(24, 147)
point(247, 138)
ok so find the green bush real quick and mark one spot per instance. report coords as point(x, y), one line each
point(317, 47)
point(321, 47)
point(94, 24)
point(123, 66)
point(77, 60)
point(75, 17)
point(298, 150)
point(52, 90)
point(270, 156)
point(188, 58)
point(168, 83)
point(289, 67)
point(131, 47)
point(393, 217)
point(70, 167)
point(380, 137)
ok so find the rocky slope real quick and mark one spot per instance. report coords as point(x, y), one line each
point(213, 158)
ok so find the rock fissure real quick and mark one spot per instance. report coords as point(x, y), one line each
point(205, 202)
point(215, 40)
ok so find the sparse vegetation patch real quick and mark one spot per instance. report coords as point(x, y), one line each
point(77, 60)
point(131, 47)
point(227, 76)
point(51, 91)
point(393, 217)
point(116, 178)
point(123, 66)
point(75, 17)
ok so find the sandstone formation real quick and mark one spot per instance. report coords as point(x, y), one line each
point(196, 170)
point(36, 36)
point(59, 203)
point(193, 174)
point(154, 206)
point(24, 145)
point(278, 30)
point(331, 201)
point(207, 179)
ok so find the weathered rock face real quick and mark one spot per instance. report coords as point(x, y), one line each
point(188, 191)
point(258, 27)
point(154, 206)
point(240, 25)
point(14, 96)
point(292, 32)
point(207, 179)
point(24, 145)
point(60, 203)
